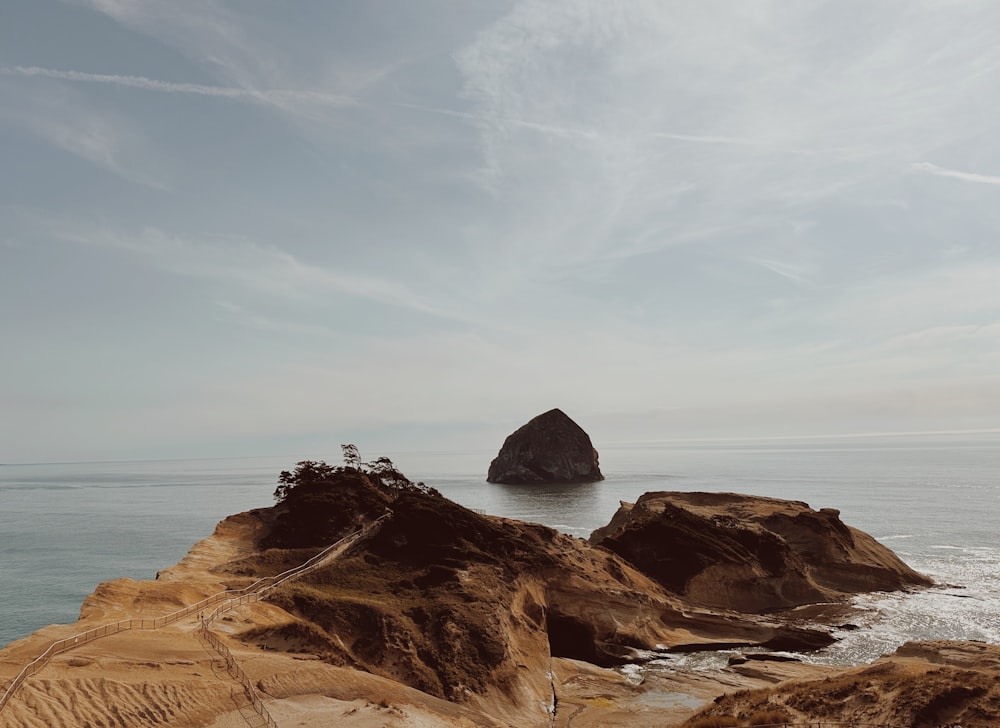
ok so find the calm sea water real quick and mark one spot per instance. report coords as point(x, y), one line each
point(934, 500)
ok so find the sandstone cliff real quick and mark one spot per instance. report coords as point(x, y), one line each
point(442, 616)
point(550, 448)
point(750, 553)
point(473, 608)
point(923, 685)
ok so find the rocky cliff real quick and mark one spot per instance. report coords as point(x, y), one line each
point(550, 448)
point(472, 608)
point(443, 616)
point(750, 553)
point(923, 685)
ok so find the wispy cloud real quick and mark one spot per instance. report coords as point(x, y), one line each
point(235, 313)
point(267, 96)
point(563, 131)
point(687, 97)
point(985, 179)
point(251, 63)
point(724, 195)
point(945, 337)
point(794, 273)
point(261, 268)
point(97, 136)
point(575, 132)
point(937, 321)
point(704, 139)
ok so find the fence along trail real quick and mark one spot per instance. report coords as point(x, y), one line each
point(225, 600)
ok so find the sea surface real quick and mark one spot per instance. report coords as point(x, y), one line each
point(935, 500)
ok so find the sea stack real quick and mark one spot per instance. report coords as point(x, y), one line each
point(550, 448)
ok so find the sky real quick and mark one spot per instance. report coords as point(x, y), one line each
point(241, 227)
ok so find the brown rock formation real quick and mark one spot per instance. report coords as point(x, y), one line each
point(446, 617)
point(550, 448)
point(472, 609)
point(750, 553)
point(923, 685)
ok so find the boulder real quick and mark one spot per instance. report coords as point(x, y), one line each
point(550, 448)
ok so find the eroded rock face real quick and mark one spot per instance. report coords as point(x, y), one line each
point(924, 684)
point(749, 553)
point(497, 616)
point(550, 448)
point(461, 606)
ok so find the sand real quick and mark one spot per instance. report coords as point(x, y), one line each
point(172, 676)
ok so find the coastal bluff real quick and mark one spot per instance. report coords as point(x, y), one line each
point(549, 448)
point(435, 614)
point(751, 553)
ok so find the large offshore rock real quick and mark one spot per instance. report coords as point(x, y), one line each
point(551, 448)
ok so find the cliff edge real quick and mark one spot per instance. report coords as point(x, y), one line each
point(443, 616)
point(750, 553)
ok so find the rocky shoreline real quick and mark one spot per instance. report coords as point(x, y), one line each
point(446, 617)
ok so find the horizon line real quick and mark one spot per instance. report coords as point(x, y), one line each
point(619, 443)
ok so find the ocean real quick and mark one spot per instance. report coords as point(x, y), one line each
point(934, 500)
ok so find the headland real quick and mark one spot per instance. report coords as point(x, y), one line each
point(436, 615)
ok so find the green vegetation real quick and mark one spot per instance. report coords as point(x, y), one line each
point(318, 503)
point(312, 475)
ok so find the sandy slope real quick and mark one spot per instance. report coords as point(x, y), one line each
point(172, 677)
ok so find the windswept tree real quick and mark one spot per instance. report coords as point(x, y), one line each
point(318, 503)
point(352, 458)
point(308, 473)
point(312, 474)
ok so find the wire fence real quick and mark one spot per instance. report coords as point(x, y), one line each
point(228, 599)
point(239, 674)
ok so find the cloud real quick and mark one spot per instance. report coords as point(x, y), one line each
point(703, 116)
point(278, 97)
point(240, 315)
point(791, 271)
point(945, 338)
point(620, 205)
point(261, 268)
point(100, 137)
point(701, 139)
point(566, 132)
point(956, 174)
point(960, 293)
point(230, 44)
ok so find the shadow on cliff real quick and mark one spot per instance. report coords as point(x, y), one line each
point(749, 553)
point(464, 606)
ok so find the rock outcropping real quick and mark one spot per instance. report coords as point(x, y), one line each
point(923, 684)
point(438, 615)
point(750, 553)
point(550, 448)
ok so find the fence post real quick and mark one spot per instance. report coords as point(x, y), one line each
point(239, 596)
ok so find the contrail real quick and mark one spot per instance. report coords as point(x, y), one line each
point(270, 96)
point(966, 176)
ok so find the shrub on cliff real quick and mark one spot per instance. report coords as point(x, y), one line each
point(319, 503)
